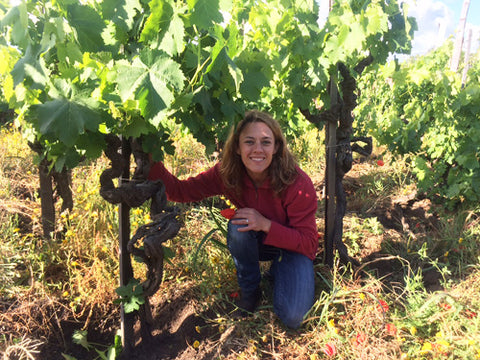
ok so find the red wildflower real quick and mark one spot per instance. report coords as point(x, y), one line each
point(391, 329)
point(380, 163)
point(234, 295)
point(227, 213)
point(470, 314)
point(445, 306)
point(359, 339)
point(383, 305)
point(330, 349)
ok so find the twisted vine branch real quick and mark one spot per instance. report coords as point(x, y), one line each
point(342, 112)
point(147, 242)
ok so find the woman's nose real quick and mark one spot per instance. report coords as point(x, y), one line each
point(257, 147)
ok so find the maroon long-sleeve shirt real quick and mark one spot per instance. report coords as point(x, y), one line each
point(292, 215)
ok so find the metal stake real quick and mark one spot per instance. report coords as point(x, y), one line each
point(126, 270)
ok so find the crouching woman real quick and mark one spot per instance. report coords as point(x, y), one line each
point(275, 218)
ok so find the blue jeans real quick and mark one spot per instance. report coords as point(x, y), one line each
point(293, 275)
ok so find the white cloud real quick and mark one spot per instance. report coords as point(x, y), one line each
point(436, 22)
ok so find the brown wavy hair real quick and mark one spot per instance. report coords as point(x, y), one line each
point(282, 171)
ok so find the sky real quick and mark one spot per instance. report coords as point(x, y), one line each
point(437, 20)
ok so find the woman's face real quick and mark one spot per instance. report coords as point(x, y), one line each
point(256, 148)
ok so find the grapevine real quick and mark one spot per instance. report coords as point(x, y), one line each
point(88, 73)
point(421, 111)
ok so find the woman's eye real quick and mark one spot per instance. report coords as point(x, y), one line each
point(266, 143)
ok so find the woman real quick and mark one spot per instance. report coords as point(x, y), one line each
point(275, 219)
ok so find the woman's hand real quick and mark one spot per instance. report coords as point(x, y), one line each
point(252, 219)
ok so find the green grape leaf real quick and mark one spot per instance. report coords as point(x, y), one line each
point(204, 13)
point(65, 120)
point(152, 78)
point(160, 12)
point(17, 18)
point(121, 12)
point(256, 77)
point(29, 60)
point(131, 296)
point(164, 25)
point(80, 338)
point(172, 41)
point(88, 25)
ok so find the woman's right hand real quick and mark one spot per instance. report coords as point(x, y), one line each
point(252, 219)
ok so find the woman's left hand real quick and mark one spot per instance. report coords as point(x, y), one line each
point(252, 219)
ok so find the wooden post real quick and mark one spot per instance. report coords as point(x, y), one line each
point(466, 64)
point(457, 50)
point(330, 154)
point(126, 270)
point(330, 174)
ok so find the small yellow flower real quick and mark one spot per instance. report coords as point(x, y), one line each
point(196, 344)
point(197, 329)
point(74, 263)
point(460, 240)
point(427, 346)
point(331, 323)
point(65, 293)
point(69, 233)
point(442, 344)
point(264, 338)
point(362, 296)
point(446, 254)
point(404, 356)
point(413, 330)
point(221, 328)
point(16, 230)
point(313, 357)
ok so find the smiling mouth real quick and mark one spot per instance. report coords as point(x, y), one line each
point(257, 159)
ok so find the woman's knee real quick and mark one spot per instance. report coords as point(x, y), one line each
point(291, 317)
point(294, 288)
point(239, 242)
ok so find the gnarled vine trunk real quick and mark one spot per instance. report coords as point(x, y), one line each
point(53, 184)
